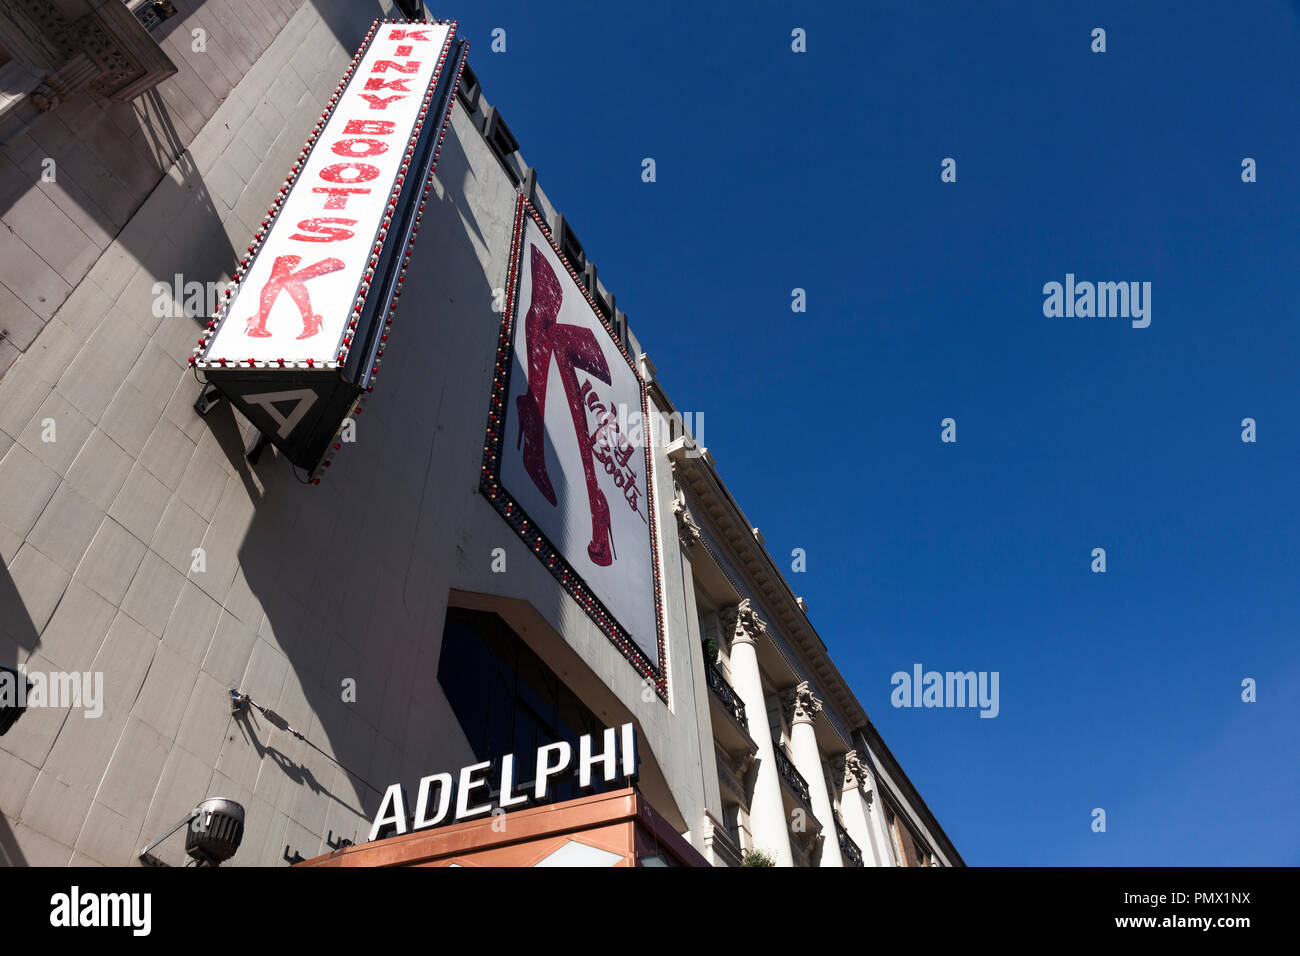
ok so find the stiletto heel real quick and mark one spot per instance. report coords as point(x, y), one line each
point(310, 326)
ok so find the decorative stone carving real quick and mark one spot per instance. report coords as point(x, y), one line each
point(687, 529)
point(107, 50)
point(28, 30)
point(115, 67)
point(63, 82)
point(741, 623)
point(852, 773)
point(747, 762)
point(800, 703)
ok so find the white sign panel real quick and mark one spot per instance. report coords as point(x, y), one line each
point(515, 782)
point(573, 451)
point(301, 288)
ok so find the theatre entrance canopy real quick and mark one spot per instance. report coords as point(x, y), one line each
point(607, 829)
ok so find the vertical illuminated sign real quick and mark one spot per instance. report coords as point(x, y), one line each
point(300, 338)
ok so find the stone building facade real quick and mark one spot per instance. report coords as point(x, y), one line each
point(141, 145)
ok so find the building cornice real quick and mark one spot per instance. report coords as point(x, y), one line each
point(697, 475)
point(889, 775)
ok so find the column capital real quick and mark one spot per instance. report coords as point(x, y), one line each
point(742, 623)
point(800, 704)
point(852, 772)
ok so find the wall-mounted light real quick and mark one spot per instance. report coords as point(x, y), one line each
point(216, 828)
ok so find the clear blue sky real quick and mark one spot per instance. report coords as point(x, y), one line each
point(821, 171)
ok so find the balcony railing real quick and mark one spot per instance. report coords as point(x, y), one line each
point(718, 684)
point(789, 774)
point(848, 849)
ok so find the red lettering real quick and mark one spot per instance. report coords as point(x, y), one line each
point(368, 147)
point(369, 128)
point(404, 50)
point(383, 66)
point(376, 83)
point(326, 232)
point(338, 195)
point(364, 173)
point(379, 103)
point(409, 35)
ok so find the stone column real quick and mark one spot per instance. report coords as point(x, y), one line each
point(802, 708)
point(879, 823)
point(767, 810)
point(855, 807)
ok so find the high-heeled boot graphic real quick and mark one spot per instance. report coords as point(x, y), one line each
point(538, 323)
point(570, 347)
point(576, 347)
point(284, 279)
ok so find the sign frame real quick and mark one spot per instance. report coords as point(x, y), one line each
point(509, 507)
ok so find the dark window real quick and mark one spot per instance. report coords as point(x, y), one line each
point(500, 137)
point(572, 250)
point(507, 701)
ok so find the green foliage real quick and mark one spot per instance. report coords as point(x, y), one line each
point(756, 858)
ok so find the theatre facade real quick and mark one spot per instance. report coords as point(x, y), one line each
point(334, 483)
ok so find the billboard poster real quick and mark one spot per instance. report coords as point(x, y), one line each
point(568, 461)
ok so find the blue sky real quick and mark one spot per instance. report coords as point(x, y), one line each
point(821, 171)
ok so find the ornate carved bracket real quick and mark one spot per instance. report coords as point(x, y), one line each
point(106, 50)
point(687, 529)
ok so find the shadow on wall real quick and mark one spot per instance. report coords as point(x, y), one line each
point(81, 133)
point(343, 21)
point(352, 574)
point(18, 635)
point(181, 232)
point(17, 639)
point(11, 853)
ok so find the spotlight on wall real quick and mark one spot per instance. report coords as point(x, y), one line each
point(215, 830)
